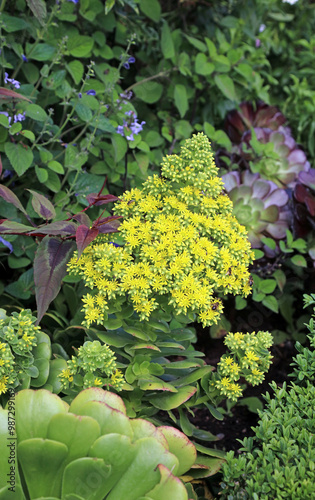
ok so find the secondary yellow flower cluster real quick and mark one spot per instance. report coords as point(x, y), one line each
point(18, 334)
point(93, 366)
point(249, 359)
point(180, 240)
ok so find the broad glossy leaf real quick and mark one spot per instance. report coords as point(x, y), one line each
point(33, 412)
point(47, 457)
point(76, 432)
point(169, 486)
point(84, 236)
point(50, 266)
point(42, 206)
point(170, 401)
point(155, 384)
point(181, 447)
point(97, 394)
point(77, 482)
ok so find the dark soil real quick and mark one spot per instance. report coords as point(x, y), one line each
point(239, 425)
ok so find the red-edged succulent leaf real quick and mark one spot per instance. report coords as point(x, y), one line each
point(43, 207)
point(84, 236)
point(10, 197)
point(64, 228)
point(10, 95)
point(109, 224)
point(82, 218)
point(11, 227)
point(100, 199)
point(50, 267)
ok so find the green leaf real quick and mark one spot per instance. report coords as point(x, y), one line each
point(202, 65)
point(53, 182)
point(21, 158)
point(267, 286)
point(167, 44)
point(38, 7)
point(10, 197)
point(151, 8)
point(197, 43)
point(41, 52)
point(271, 303)
point(180, 97)
point(170, 401)
point(83, 112)
point(21, 289)
point(240, 303)
point(80, 45)
point(50, 266)
point(76, 70)
point(28, 134)
point(226, 85)
point(299, 260)
point(55, 166)
point(149, 92)
point(103, 124)
point(42, 174)
point(120, 147)
point(36, 113)
point(11, 24)
point(18, 262)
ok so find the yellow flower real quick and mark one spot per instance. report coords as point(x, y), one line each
point(97, 382)
point(3, 384)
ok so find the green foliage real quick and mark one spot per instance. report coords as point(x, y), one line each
point(278, 462)
point(26, 353)
point(130, 458)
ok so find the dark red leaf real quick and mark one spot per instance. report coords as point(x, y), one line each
point(11, 227)
point(9, 95)
point(43, 207)
point(84, 236)
point(109, 224)
point(50, 267)
point(100, 199)
point(62, 227)
point(83, 218)
point(10, 197)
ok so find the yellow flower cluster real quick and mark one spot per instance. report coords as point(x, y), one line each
point(249, 359)
point(180, 240)
point(93, 366)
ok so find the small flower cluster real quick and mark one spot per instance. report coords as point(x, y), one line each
point(181, 241)
point(19, 117)
point(131, 126)
point(93, 366)
point(249, 358)
point(15, 83)
point(18, 335)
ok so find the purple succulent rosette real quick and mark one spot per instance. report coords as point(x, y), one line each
point(287, 161)
point(260, 205)
point(304, 203)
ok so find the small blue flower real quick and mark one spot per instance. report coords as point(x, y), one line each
point(15, 83)
point(19, 117)
point(130, 61)
point(73, 1)
point(115, 244)
point(7, 244)
point(90, 92)
point(80, 95)
point(24, 58)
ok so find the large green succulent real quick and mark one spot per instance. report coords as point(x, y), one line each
point(88, 451)
point(259, 205)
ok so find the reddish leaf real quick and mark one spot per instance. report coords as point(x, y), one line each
point(11, 227)
point(84, 236)
point(50, 267)
point(43, 207)
point(10, 197)
point(100, 199)
point(9, 95)
point(61, 227)
point(83, 218)
point(109, 224)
